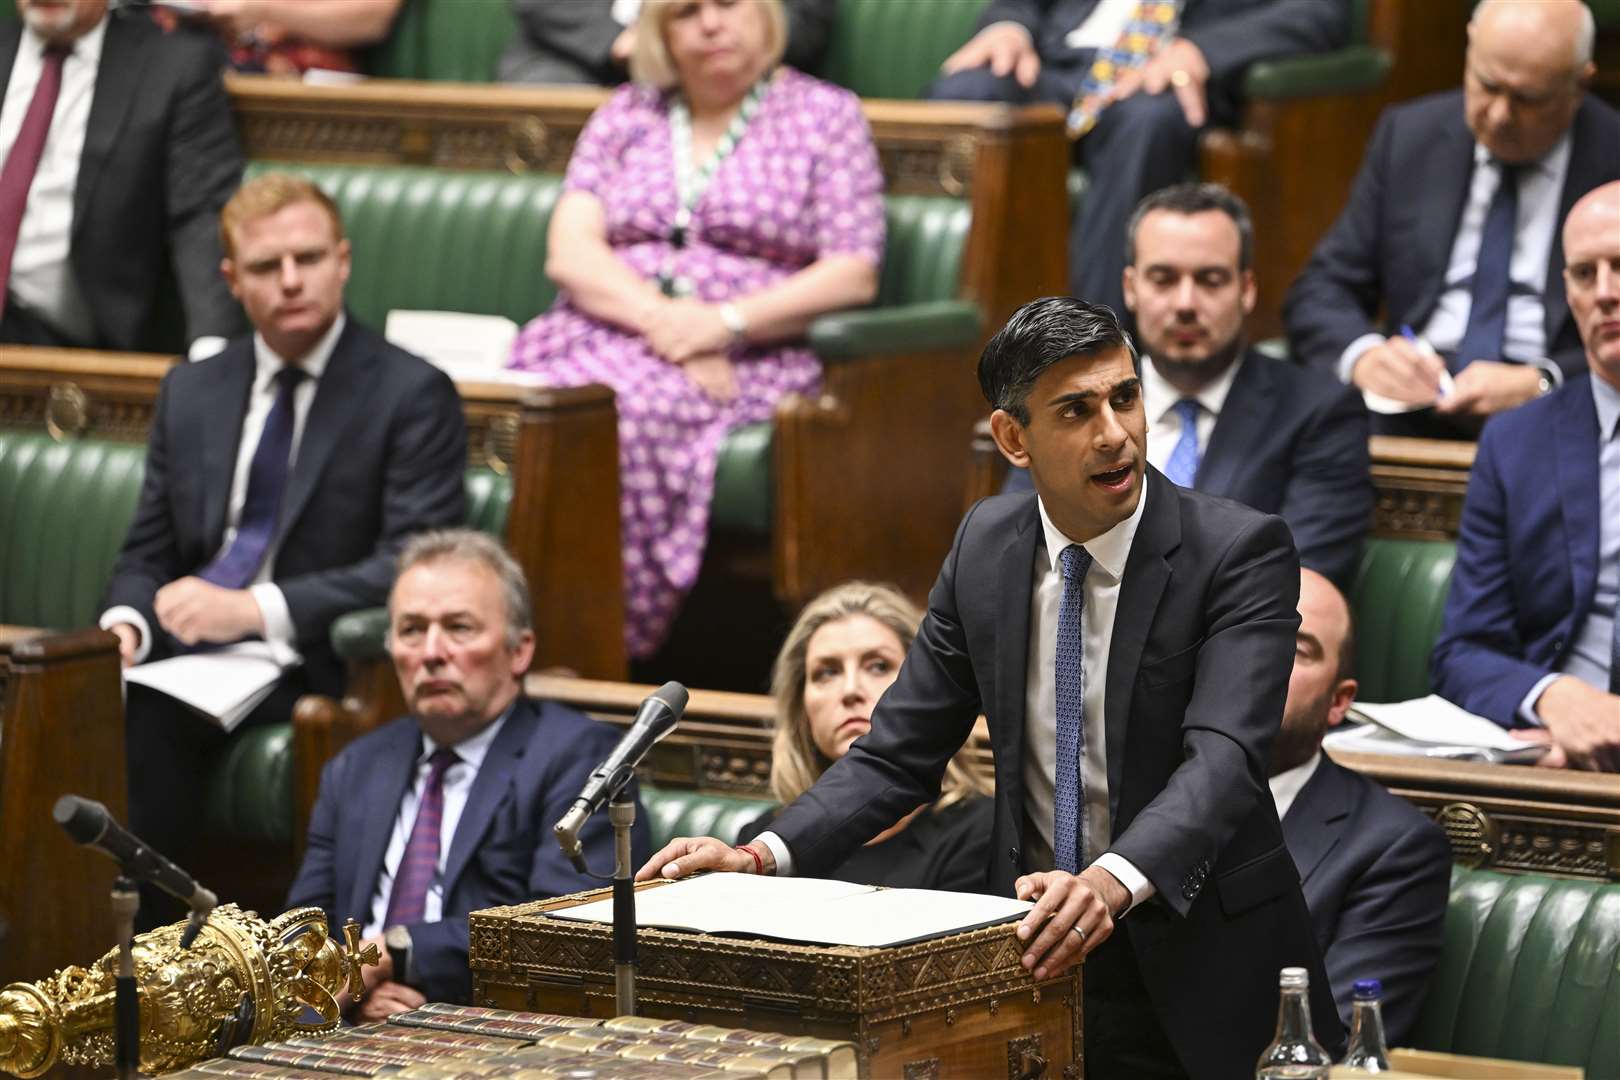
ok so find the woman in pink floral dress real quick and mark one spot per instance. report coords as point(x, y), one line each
point(712, 209)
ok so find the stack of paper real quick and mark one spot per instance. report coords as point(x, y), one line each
point(222, 685)
point(1430, 727)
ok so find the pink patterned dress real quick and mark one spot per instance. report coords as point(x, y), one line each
point(802, 183)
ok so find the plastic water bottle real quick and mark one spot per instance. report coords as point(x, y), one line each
point(1295, 1053)
point(1367, 1053)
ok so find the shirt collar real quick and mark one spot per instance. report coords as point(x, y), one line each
point(87, 48)
point(1607, 400)
point(1552, 163)
point(1109, 550)
point(472, 750)
point(1286, 785)
point(1161, 397)
point(267, 363)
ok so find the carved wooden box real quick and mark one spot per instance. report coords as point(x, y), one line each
point(954, 1006)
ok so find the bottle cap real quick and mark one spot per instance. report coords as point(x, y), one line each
point(1294, 977)
point(1368, 988)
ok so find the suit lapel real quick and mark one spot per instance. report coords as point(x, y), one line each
point(10, 41)
point(1249, 405)
point(1576, 438)
point(490, 788)
point(340, 391)
point(1012, 658)
point(379, 796)
point(123, 62)
point(1450, 168)
point(233, 371)
point(1315, 822)
point(1147, 572)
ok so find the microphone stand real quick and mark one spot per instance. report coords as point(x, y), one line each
point(126, 901)
point(622, 813)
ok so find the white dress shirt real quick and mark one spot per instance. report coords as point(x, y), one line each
point(1286, 785)
point(1164, 425)
point(1588, 658)
point(41, 277)
point(279, 631)
point(458, 782)
point(1541, 184)
point(1109, 552)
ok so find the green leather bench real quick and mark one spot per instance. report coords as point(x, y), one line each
point(1399, 600)
point(67, 506)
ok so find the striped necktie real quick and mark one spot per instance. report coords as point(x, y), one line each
point(420, 863)
point(1069, 794)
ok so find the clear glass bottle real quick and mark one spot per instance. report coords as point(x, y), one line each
point(1367, 1053)
point(1294, 1054)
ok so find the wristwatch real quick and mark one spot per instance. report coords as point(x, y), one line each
point(398, 940)
point(731, 317)
point(1545, 384)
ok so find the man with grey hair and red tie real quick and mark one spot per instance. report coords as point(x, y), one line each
point(450, 808)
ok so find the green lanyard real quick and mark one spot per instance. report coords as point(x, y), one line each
point(690, 180)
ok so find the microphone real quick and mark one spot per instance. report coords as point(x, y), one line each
point(89, 823)
point(655, 719)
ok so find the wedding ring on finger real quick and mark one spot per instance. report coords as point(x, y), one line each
point(1180, 78)
point(1081, 934)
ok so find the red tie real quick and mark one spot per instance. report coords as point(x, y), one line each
point(23, 161)
point(420, 862)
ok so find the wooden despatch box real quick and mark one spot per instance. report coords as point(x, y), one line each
point(953, 1006)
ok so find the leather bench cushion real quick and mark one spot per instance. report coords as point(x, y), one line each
point(1399, 600)
point(889, 49)
point(673, 812)
point(66, 507)
point(250, 794)
point(451, 40)
point(1530, 971)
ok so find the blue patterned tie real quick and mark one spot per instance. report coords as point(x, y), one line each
point(236, 566)
point(1182, 468)
point(1069, 802)
point(419, 865)
point(1487, 309)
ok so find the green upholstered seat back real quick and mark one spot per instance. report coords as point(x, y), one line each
point(489, 497)
point(673, 812)
point(1530, 971)
point(64, 510)
point(893, 48)
point(922, 253)
point(250, 792)
point(455, 40)
point(1399, 600)
point(440, 239)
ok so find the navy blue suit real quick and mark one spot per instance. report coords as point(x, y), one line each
point(1376, 875)
point(1143, 143)
point(1293, 443)
point(1390, 246)
point(1527, 554)
point(503, 851)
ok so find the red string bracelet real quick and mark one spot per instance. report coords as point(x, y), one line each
point(759, 864)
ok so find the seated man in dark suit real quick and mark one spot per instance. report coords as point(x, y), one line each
point(1138, 93)
point(119, 152)
point(1376, 872)
point(282, 477)
point(1128, 642)
point(450, 809)
point(590, 41)
point(1532, 632)
point(1452, 232)
point(1225, 419)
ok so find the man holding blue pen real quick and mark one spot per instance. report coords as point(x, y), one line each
point(1452, 230)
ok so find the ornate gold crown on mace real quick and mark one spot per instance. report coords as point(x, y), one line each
point(244, 980)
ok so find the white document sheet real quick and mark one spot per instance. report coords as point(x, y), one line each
point(807, 909)
point(222, 685)
point(1433, 719)
point(463, 345)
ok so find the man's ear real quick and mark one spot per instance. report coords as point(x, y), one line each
point(1344, 695)
point(523, 655)
point(1128, 284)
point(1251, 292)
point(1009, 435)
point(227, 270)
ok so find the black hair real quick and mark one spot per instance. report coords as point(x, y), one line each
point(1040, 334)
point(1195, 198)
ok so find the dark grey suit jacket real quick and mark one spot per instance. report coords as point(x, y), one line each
point(1389, 248)
point(1376, 874)
point(1197, 673)
point(160, 159)
point(356, 492)
point(503, 851)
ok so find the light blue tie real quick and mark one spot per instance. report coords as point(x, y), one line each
point(1182, 468)
point(1068, 810)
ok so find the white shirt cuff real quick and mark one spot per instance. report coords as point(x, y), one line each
point(125, 614)
point(279, 632)
point(1527, 707)
point(1129, 876)
point(779, 852)
point(204, 347)
point(1354, 351)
